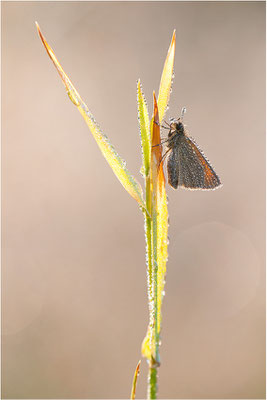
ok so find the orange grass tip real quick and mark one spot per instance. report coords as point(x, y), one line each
point(46, 45)
point(38, 27)
point(40, 33)
point(173, 37)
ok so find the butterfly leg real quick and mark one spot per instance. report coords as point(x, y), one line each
point(163, 157)
point(161, 126)
point(167, 123)
point(161, 143)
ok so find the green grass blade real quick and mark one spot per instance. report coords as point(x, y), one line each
point(166, 80)
point(144, 129)
point(112, 157)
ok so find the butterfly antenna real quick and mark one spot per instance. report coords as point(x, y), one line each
point(183, 113)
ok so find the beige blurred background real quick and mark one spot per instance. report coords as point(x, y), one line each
point(74, 277)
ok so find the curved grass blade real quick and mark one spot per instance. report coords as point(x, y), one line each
point(136, 374)
point(112, 157)
point(166, 80)
point(144, 129)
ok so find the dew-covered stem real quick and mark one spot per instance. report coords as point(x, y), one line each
point(152, 382)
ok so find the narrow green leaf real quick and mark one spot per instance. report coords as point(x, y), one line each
point(115, 161)
point(166, 80)
point(112, 157)
point(160, 214)
point(162, 241)
point(144, 128)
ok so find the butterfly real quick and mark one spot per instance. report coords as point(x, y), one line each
point(187, 166)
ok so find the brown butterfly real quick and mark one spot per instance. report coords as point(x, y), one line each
point(186, 164)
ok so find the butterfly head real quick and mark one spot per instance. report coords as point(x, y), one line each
point(176, 126)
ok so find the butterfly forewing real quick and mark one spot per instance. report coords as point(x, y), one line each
point(191, 172)
point(195, 172)
point(206, 174)
point(187, 166)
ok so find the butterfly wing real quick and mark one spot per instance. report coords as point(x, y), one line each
point(194, 170)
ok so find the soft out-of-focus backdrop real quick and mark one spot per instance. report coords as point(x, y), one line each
point(74, 280)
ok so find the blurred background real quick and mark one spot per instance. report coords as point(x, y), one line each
point(74, 301)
